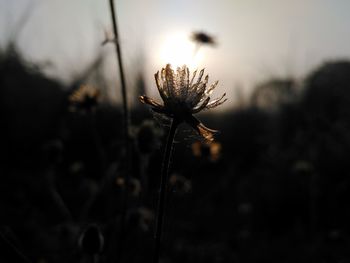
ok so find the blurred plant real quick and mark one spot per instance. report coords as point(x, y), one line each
point(180, 184)
point(91, 241)
point(210, 151)
point(201, 38)
point(53, 155)
point(181, 99)
point(148, 137)
point(84, 99)
point(53, 151)
point(142, 218)
point(271, 94)
point(245, 208)
point(109, 38)
point(76, 167)
point(303, 167)
point(8, 244)
point(120, 182)
point(134, 187)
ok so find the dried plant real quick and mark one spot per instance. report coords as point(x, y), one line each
point(203, 38)
point(182, 98)
point(84, 99)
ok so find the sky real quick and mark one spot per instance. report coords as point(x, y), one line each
point(257, 39)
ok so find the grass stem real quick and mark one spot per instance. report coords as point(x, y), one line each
point(126, 119)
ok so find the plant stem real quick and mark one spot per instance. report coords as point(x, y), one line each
point(126, 117)
point(163, 189)
point(121, 71)
point(125, 129)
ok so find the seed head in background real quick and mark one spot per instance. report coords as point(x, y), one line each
point(84, 99)
point(202, 38)
point(182, 97)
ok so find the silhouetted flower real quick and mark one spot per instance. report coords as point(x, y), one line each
point(203, 38)
point(183, 97)
point(91, 241)
point(85, 98)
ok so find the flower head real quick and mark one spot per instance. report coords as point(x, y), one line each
point(85, 98)
point(203, 38)
point(182, 97)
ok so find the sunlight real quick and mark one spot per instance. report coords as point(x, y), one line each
point(177, 49)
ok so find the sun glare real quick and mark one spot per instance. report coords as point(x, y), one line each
point(177, 49)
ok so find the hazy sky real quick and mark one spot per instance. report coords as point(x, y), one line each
point(257, 39)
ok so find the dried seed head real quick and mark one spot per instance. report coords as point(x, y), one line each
point(203, 38)
point(183, 97)
point(84, 99)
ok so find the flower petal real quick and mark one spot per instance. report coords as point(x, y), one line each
point(193, 76)
point(216, 102)
point(160, 86)
point(180, 82)
point(164, 83)
point(170, 81)
point(146, 100)
point(204, 131)
point(202, 106)
point(198, 92)
point(201, 73)
point(211, 88)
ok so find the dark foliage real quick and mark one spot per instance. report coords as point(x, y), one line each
point(277, 190)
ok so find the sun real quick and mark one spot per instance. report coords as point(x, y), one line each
point(177, 49)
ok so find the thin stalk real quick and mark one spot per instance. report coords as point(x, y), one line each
point(125, 129)
point(196, 49)
point(163, 189)
point(126, 117)
point(121, 71)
